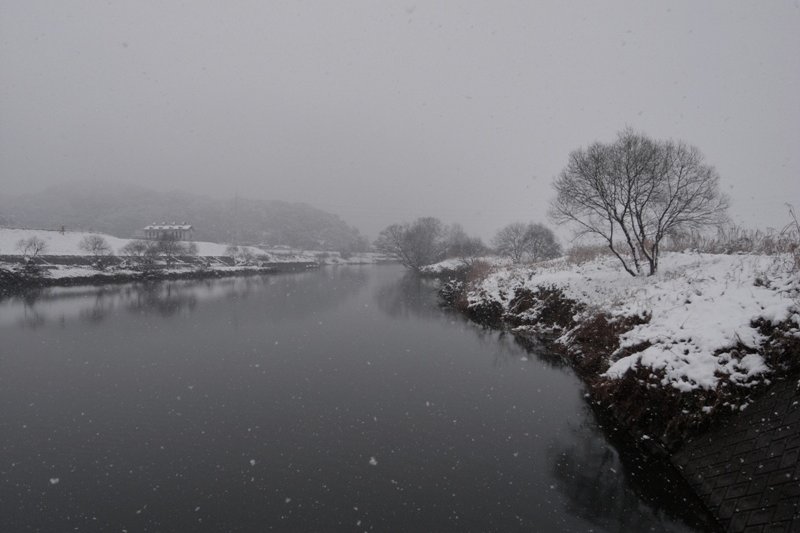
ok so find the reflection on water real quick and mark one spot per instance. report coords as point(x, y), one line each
point(603, 482)
point(166, 299)
point(289, 295)
point(412, 296)
point(408, 296)
point(543, 355)
point(329, 400)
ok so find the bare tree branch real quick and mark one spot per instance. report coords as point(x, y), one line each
point(640, 189)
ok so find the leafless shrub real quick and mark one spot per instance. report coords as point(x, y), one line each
point(95, 245)
point(479, 270)
point(170, 248)
point(140, 251)
point(31, 247)
point(734, 239)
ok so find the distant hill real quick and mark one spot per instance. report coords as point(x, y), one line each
point(123, 210)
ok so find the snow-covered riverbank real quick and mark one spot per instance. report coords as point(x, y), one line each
point(68, 243)
point(698, 336)
point(63, 261)
point(14, 281)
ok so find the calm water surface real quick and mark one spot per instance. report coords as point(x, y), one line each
point(335, 400)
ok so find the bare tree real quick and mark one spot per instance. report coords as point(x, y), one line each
point(140, 251)
point(542, 243)
point(511, 240)
point(170, 248)
point(634, 192)
point(95, 245)
point(459, 244)
point(415, 245)
point(535, 242)
point(31, 247)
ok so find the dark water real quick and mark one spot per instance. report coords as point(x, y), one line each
point(336, 400)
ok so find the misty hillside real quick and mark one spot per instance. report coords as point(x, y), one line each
point(123, 210)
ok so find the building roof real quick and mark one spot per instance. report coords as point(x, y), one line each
point(166, 227)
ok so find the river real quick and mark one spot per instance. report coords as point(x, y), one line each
point(341, 399)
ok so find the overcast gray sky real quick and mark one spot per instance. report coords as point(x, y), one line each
point(384, 111)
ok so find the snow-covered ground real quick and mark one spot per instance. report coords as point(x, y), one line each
point(65, 271)
point(56, 243)
point(457, 263)
point(701, 306)
point(68, 243)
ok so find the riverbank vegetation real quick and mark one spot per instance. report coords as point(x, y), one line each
point(665, 354)
point(667, 323)
point(427, 240)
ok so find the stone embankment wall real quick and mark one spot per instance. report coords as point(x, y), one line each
point(746, 469)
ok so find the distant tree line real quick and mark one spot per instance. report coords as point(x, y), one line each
point(146, 252)
point(415, 244)
point(427, 240)
point(630, 194)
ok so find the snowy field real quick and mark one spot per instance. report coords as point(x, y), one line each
point(701, 307)
point(68, 243)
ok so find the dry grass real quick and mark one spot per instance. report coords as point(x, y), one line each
point(729, 239)
point(733, 239)
point(736, 239)
point(584, 253)
point(478, 271)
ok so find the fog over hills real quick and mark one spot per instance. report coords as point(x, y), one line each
point(123, 210)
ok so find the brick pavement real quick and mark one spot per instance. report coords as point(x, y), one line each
point(746, 469)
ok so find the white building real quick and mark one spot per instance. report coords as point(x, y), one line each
point(178, 232)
